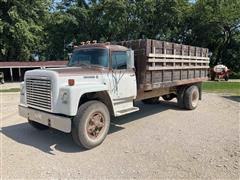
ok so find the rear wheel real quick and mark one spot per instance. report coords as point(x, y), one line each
point(37, 125)
point(191, 97)
point(180, 96)
point(91, 124)
point(2, 81)
point(226, 78)
point(153, 100)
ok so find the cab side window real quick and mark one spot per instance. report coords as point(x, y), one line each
point(119, 60)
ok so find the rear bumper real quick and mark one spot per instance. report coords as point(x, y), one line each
point(55, 121)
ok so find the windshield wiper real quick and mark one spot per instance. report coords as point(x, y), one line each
point(80, 64)
point(87, 65)
point(84, 64)
point(98, 65)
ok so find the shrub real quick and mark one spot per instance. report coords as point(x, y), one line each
point(234, 75)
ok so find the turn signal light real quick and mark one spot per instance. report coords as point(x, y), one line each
point(71, 82)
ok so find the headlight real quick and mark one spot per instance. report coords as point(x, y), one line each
point(64, 97)
point(22, 93)
point(22, 89)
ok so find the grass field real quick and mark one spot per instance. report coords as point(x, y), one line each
point(232, 88)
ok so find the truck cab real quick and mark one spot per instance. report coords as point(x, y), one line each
point(98, 82)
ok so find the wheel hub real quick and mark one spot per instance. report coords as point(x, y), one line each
point(195, 98)
point(95, 125)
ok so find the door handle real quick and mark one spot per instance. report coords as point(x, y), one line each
point(132, 75)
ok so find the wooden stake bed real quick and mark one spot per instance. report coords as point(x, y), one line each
point(162, 64)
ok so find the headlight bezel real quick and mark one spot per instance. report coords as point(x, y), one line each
point(22, 89)
point(64, 97)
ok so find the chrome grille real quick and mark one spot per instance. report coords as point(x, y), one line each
point(39, 93)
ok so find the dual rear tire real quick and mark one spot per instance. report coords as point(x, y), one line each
point(188, 97)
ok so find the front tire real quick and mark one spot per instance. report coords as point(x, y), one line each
point(37, 125)
point(91, 124)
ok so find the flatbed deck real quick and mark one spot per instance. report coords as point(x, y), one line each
point(165, 65)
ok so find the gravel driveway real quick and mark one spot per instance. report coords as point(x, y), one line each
point(160, 141)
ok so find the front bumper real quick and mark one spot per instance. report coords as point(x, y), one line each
point(55, 121)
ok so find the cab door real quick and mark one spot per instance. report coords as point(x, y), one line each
point(123, 78)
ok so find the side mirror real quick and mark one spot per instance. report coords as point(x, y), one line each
point(130, 61)
point(69, 56)
point(210, 54)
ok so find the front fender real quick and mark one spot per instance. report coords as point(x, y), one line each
point(69, 97)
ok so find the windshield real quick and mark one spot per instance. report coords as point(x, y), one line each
point(89, 57)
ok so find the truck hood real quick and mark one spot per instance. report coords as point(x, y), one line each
point(86, 79)
point(77, 71)
point(82, 75)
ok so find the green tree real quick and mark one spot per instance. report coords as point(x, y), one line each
point(216, 25)
point(22, 28)
point(47, 27)
point(160, 19)
point(67, 23)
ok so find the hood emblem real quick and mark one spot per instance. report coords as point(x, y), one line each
point(89, 77)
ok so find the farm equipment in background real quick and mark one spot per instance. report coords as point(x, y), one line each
point(219, 72)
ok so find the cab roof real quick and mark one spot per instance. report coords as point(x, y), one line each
point(102, 45)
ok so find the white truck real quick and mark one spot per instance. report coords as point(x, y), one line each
point(104, 79)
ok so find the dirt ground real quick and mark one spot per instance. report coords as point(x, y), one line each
point(10, 85)
point(160, 141)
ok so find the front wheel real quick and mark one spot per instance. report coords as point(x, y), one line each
point(91, 124)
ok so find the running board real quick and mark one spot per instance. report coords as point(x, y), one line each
point(127, 111)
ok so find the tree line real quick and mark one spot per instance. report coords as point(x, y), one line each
point(45, 27)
